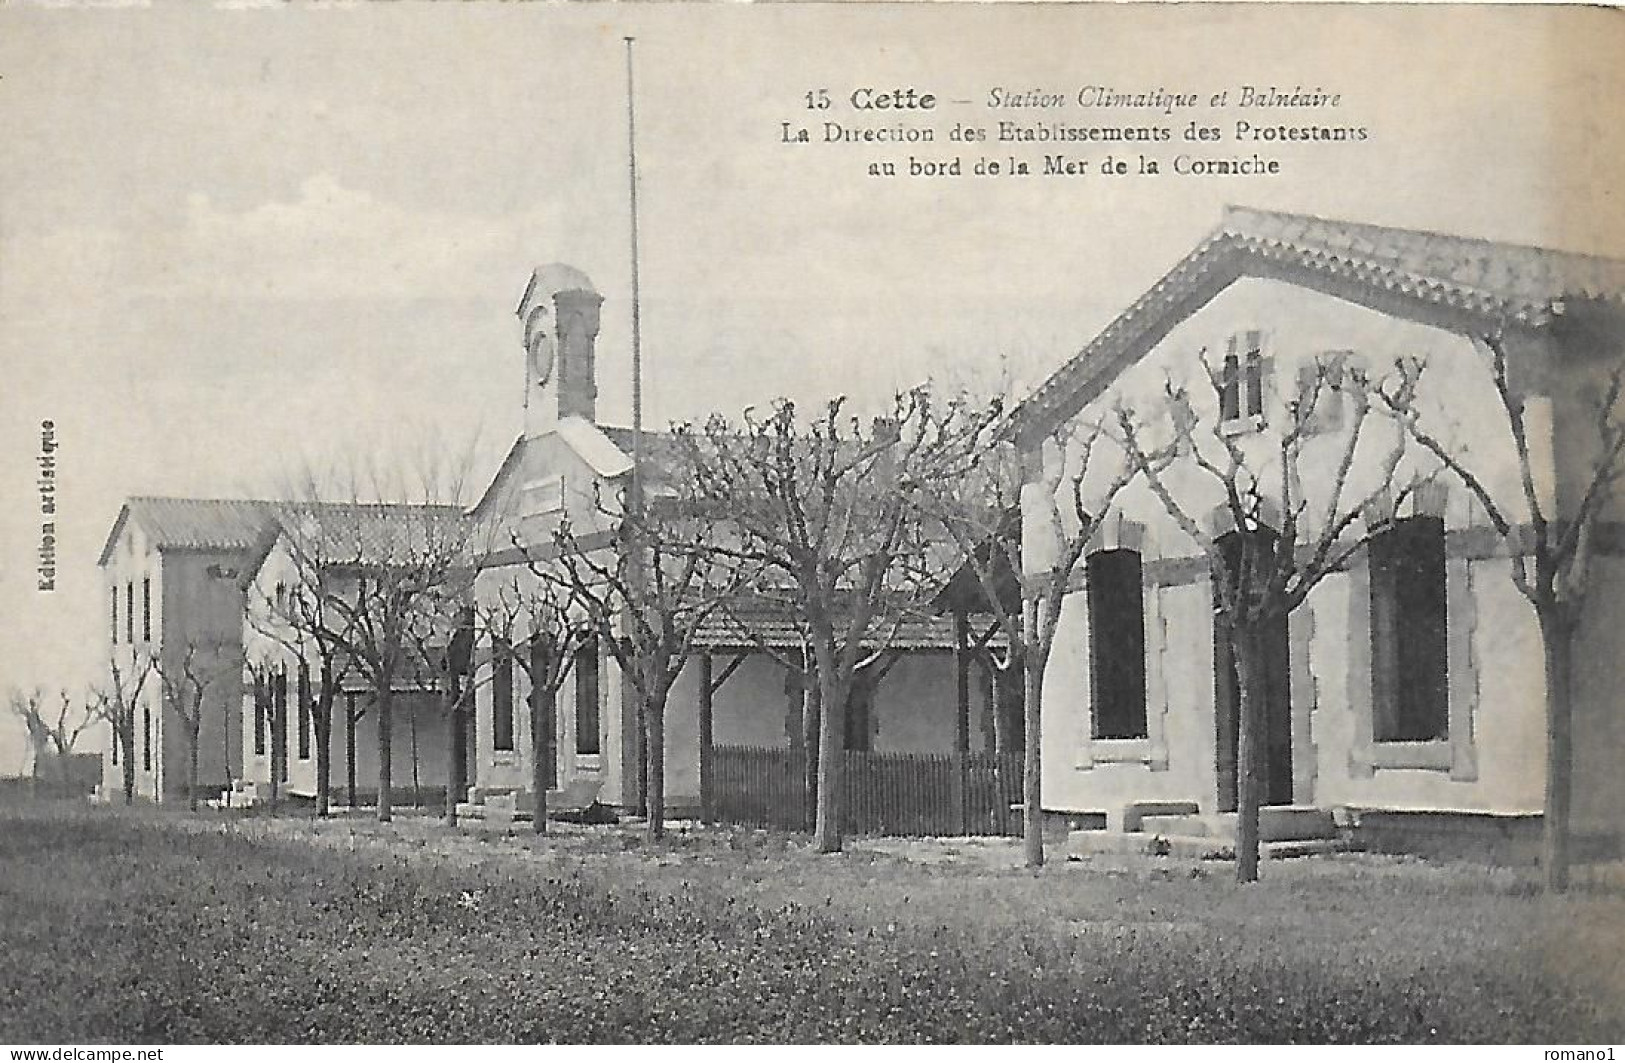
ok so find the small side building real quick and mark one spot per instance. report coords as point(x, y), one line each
point(170, 569)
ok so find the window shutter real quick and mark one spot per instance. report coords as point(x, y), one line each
point(1230, 383)
point(1261, 373)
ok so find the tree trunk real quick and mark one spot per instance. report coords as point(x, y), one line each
point(191, 762)
point(1249, 666)
point(1032, 790)
point(640, 742)
point(127, 736)
point(655, 714)
point(831, 734)
point(278, 745)
point(384, 708)
point(541, 749)
point(324, 752)
point(457, 766)
point(1557, 640)
point(417, 781)
point(349, 750)
point(811, 730)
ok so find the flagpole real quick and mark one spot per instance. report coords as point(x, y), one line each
point(637, 315)
point(635, 502)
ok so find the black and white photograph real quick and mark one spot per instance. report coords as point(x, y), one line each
point(811, 524)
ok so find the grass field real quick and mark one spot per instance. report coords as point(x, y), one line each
point(143, 927)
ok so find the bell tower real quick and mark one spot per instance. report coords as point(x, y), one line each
point(560, 316)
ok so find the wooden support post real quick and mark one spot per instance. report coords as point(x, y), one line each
point(961, 717)
point(707, 692)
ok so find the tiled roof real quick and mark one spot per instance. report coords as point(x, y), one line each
point(374, 533)
point(747, 625)
point(1431, 276)
point(194, 523)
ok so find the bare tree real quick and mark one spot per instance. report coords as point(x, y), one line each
point(54, 727)
point(828, 510)
point(187, 674)
point(646, 596)
point(1292, 526)
point(117, 703)
point(1551, 551)
point(383, 570)
point(982, 514)
point(532, 626)
point(303, 621)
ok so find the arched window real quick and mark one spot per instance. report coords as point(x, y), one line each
point(1116, 643)
point(586, 684)
point(501, 694)
point(1409, 647)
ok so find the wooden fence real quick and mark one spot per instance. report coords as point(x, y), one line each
point(919, 794)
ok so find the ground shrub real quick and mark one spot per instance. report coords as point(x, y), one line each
point(144, 929)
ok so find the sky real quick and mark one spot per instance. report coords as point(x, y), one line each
point(235, 240)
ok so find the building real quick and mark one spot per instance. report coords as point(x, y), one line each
point(336, 567)
point(1408, 688)
point(170, 571)
point(738, 692)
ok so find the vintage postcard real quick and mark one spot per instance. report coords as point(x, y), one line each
point(810, 523)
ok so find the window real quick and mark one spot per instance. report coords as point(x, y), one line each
point(1409, 649)
point(1241, 378)
point(1116, 643)
point(146, 738)
point(1327, 382)
point(113, 600)
point(260, 703)
point(501, 694)
point(586, 670)
point(129, 612)
point(544, 495)
point(861, 721)
point(304, 711)
point(146, 608)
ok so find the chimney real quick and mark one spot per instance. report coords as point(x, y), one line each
point(576, 311)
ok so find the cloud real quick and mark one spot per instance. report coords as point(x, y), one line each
point(331, 242)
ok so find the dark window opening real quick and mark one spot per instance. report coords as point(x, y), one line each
point(1409, 647)
point(304, 711)
point(113, 599)
point(1116, 643)
point(129, 612)
point(501, 694)
point(146, 738)
point(586, 684)
point(260, 704)
point(146, 608)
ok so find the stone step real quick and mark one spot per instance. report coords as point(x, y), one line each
point(1276, 823)
point(1133, 815)
point(1100, 842)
